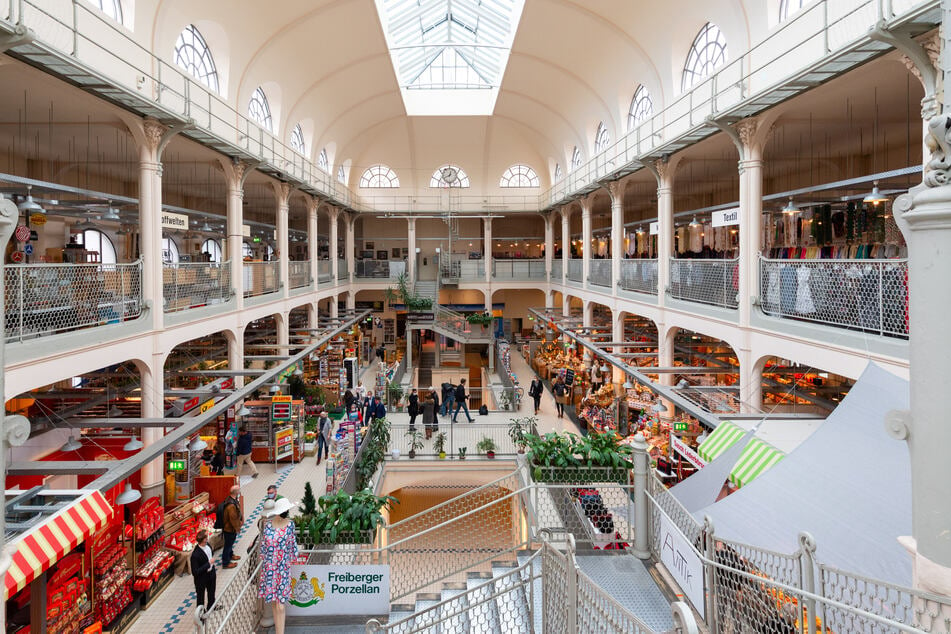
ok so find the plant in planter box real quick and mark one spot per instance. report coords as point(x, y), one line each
point(439, 445)
point(410, 300)
point(394, 394)
point(480, 319)
point(551, 453)
point(415, 438)
point(462, 452)
point(487, 446)
point(348, 519)
point(605, 450)
point(519, 428)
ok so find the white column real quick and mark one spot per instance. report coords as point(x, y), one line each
point(665, 219)
point(333, 249)
point(349, 245)
point(549, 246)
point(334, 307)
point(616, 189)
point(409, 352)
point(617, 334)
point(153, 406)
point(487, 239)
point(751, 210)
point(585, 241)
point(411, 250)
point(565, 243)
point(312, 238)
point(236, 354)
point(236, 173)
point(282, 192)
point(282, 325)
point(587, 314)
point(150, 217)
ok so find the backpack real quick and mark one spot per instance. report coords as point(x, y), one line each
point(483, 410)
point(460, 392)
point(220, 515)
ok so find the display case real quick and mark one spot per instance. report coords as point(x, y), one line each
point(258, 424)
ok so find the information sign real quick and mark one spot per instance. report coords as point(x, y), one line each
point(569, 377)
point(682, 561)
point(283, 443)
point(681, 426)
point(684, 450)
point(176, 465)
point(337, 590)
point(16, 256)
point(281, 408)
point(38, 220)
point(28, 249)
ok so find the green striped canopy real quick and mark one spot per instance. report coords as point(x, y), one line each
point(720, 439)
point(757, 457)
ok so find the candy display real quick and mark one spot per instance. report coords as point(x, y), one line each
point(151, 571)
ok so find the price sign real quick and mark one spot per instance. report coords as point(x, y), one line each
point(22, 233)
point(281, 408)
point(176, 465)
point(681, 426)
point(38, 220)
point(569, 377)
point(283, 442)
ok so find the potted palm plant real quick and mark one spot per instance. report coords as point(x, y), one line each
point(439, 445)
point(415, 438)
point(487, 446)
point(519, 428)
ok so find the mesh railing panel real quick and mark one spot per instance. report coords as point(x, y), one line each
point(457, 268)
point(372, 269)
point(342, 271)
point(241, 609)
point(298, 273)
point(599, 612)
point(713, 282)
point(599, 272)
point(518, 269)
point(556, 601)
point(557, 266)
point(575, 270)
point(598, 513)
point(261, 278)
point(190, 285)
point(456, 436)
point(43, 299)
point(662, 499)
point(639, 275)
point(324, 274)
point(927, 612)
point(866, 295)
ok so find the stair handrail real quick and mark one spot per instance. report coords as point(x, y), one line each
point(445, 316)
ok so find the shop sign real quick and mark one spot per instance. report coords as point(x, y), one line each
point(22, 233)
point(681, 426)
point(281, 408)
point(682, 561)
point(38, 220)
point(16, 256)
point(207, 405)
point(174, 221)
point(569, 377)
point(684, 450)
point(420, 318)
point(654, 228)
point(283, 443)
point(338, 590)
point(176, 465)
point(726, 217)
point(28, 249)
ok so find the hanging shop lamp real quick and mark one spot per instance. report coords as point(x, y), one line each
point(29, 205)
point(134, 444)
point(875, 197)
point(197, 445)
point(244, 411)
point(128, 496)
point(694, 223)
point(790, 207)
point(71, 445)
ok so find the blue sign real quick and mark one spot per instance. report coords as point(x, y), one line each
point(28, 248)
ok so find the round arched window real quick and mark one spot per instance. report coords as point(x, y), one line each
point(95, 240)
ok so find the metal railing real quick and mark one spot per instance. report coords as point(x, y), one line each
point(190, 285)
point(372, 269)
point(714, 282)
point(556, 268)
point(518, 269)
point(866, 295)
point(324, 272)
point(261, 278)
point(575, 270)
point(639, 276)
point(44, 299)
point(343, 272)
point(456, 323)
point(456, 267)
point(456, 436)
point(599, 272)
point(239, 599)
point(298, 273)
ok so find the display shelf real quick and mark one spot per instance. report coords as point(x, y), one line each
point(389, 332)
point(155, 590)
point(258, 424)
point(124, 620)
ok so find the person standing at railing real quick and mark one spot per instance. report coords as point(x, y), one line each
point(278, 552)
point(413, 409)
point(461, 398)
point(203, 570)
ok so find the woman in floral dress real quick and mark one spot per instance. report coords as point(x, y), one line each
point(278, 552)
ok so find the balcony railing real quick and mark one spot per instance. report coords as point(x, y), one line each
point(298, 273)
point(556, 269)
point(323, 271)
point(639, 276)
point(44, 299)
point(373, 269)
point(518, 269)
point(193, 284)
point(342, 271)
point(575, 270)
point(261, 278)
point(460, 268)
point(713, 282)
point(866, 295)
point(599, 273)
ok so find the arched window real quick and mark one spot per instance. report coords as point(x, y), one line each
point(519, 176)
point(112, 8)
point(297, 140)
point(192, 55)
point(379, 176)
point(642, 107)
point(247, 252)
point(575, 159)
point(342, 175)
point(95, 240)
point(259, 110)
point(789, 7)
point(449, 176)
point(322, 161)
point(558, 172)
point(169, 251)
point(212, 248)
point(601, 138)
point(707, 54)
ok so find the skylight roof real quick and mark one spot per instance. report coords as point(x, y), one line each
point(449, 55)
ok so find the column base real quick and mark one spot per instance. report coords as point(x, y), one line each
point(154, 490)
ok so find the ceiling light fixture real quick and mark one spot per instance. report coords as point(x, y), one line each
point(244, 411)
point(111, 214)
point(790, 207)
point(72, 444)
point(128, 496)
point(875, 197)
point(197, 445)
point(134, 444)
point(694, 223)
point(28, 204)
point(658, 408)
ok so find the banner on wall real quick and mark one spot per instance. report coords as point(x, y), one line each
point(337, 590)
point(682, 561)
point(726, 217)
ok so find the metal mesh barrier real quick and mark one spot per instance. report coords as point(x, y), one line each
point(639, 275)
point(299, 273)
point(343, 272)
point(518, 269)
point(194, 284)
point(241, 609)
point(456, 436)
point(599, 272)
point(372, 269)
point(261, 278)
point(662, 499)
point(713, 282)
point(324, 274)
point(866, 295)
point(598, 513)
point(43, 299)
point(575, 270)
point(556, 269)
point(557, 597)
point(599, 612)
point(456, 268)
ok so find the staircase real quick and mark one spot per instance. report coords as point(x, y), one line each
point(426, 288)
point(454, 325)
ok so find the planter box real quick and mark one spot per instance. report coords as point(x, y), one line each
point(579, 475)
point(310, 448)
point(364, 537)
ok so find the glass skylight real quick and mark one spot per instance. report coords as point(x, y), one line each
point(449, 55)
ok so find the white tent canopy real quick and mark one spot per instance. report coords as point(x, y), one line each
point(848, 484)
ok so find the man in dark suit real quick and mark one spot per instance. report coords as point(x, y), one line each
point(203, 570)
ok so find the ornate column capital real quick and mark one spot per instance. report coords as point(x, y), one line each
point(616, 189)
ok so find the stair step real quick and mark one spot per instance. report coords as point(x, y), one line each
point(426, 622)
point(483, 612)
point(511, 600)
point(454, 612)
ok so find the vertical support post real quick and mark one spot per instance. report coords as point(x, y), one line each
point(282, 192)
point(487, 238)
point(349, 245)
point(571, 567)
point(616, 189)
point(565, 244)
point(807, 568)
point(664, 173)
point(411, 250)
point(641, 522)
point(333, 249)
point(549, 248)
point(312, 250)
point(586, 205)
point(710, 572)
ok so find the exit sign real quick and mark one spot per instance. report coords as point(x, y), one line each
point(176, 465)
point(681, 426)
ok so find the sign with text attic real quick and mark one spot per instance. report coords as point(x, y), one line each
point(334, 590)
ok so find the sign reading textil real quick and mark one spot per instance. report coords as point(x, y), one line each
point(174, 221)
point(332, 590)
point(682, 561)
point(726, 217)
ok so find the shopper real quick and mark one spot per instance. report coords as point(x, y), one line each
point(535, 391)
point(461, 398)
point(324, 434)
point(413, 409)
point(349, 399)
point(560, 391)
point(595, 377)
point(278, 552)
point(361, 390)
point(244, 452)
point(448, 397)
point(377, 409)
point(269, 499)
point(203, 571)
point(367, 406)
point(429, 413)
point(232, 519)
point(218, 460)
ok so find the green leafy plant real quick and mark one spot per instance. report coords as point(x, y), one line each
point(486, 446)
point(439, 444)
point(415, 441)
point(394, 392)
point(605, 449)
point(462, 452)
point(308, 503)
point(483, 319)
point(344, 518)
point(597, 457)
point(519, 428)
point(374, 450)
point(408, 298)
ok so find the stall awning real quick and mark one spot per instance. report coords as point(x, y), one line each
point(719, 440)
point(757, 457)
point(49, 542)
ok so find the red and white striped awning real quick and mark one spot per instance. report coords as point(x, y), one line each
point(49, 542)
